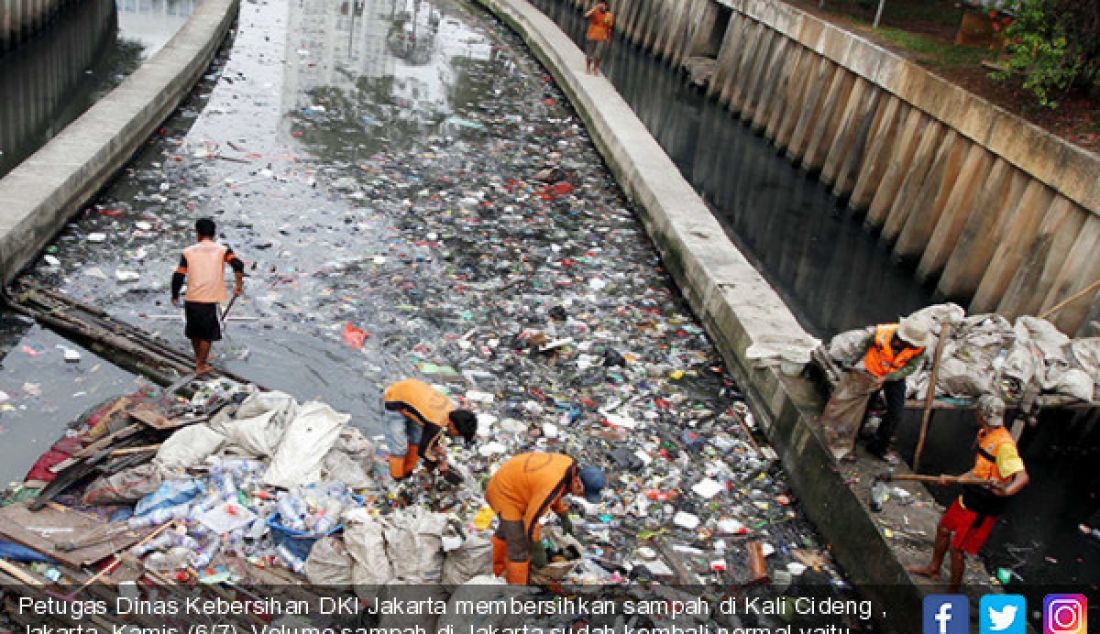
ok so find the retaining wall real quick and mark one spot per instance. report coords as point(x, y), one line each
point(992, 209)
point(737, 307)
point(44, 191)
point(21, 19)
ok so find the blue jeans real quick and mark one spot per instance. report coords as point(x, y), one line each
point(400, 432)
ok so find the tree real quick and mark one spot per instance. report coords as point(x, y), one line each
point(1054, 45)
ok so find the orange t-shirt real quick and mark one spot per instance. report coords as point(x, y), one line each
point(599, 25)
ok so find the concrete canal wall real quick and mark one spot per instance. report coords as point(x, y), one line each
point(21, 19)
point(39, 196)
point(993, 210)
point(737, 306)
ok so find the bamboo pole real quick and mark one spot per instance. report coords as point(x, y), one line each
point(1069, 300)
point(930, 396)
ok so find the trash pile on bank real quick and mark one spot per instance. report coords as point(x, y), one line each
point(1029, 363)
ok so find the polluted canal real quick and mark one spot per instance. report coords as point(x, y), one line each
point(413, 197)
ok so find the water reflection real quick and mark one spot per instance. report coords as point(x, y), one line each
point(831, 272)
point(89, 49)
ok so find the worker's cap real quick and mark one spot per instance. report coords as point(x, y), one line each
point(915, 331)
point(992, 410)
point(594, 481)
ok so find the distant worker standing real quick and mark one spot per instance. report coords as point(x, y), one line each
point(521, 492)
point(968, 521)
point(416, 418)
point(202, 266)
point(882, 361)
point(598, 37)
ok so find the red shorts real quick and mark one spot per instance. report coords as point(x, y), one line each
point(970, 529)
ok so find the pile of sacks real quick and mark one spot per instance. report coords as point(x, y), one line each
point(271, 480)
point(986, 354)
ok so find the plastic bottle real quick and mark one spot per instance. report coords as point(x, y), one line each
point(292, 561)
point(202, 558)
point(169, 561)
point(293, 511)
point(329, 516)
point(160, 516)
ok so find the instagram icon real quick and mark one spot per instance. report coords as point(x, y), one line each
point(1065, 614)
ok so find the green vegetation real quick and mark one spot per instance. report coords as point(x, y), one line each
point(932, 51)
point(1054, 47)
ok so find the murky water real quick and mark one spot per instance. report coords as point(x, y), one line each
point(85, 52)
point(808, 244)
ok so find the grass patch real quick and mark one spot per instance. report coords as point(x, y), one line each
point(931, 51)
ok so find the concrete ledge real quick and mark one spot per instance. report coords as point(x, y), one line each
point(39, 196)
point(738, 308)
point(1068, 169)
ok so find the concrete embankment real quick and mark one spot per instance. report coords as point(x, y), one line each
point(39, 196)
point(739, 309)
point(21, 19)
point(992, 209)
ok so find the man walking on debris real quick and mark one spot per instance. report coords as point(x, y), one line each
point(888, 354)
point(202, 265)
point(600, 21)
point(968, 521)
point(416, 417)
point(521, 492)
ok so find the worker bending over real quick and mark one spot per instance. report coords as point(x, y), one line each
point(968, 521)
point(521, 492)
point(416, 417)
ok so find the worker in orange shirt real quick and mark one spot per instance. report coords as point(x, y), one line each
point(521, 491)
point(202, 266)
point(416, 417)
point(968, 521)
point(598, 37)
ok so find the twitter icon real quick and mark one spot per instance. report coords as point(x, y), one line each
point(1002, 614)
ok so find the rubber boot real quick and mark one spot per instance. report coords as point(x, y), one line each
point(500, 555)
point(411, 458)
point(516, 572)
point(397, 468)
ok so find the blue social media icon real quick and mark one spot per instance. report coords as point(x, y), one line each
point(946, 614)
point(1002, 614)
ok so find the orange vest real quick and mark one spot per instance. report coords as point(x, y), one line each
point(989, 444)
point(528, 484)
point(881, 360)
point(206, 272)
point(599, 26)
point(418, 402)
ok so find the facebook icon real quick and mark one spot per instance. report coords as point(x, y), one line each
point(946, 614)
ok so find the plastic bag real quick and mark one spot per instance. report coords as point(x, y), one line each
point(303, 447)
point(170, 493)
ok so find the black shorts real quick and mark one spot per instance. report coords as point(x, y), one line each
point(202, 321)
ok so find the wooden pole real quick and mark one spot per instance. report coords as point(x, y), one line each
point(930, 396)
point(1069, 300)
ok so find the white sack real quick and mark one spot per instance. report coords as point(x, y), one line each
point(414, 543)
point(329, 564)
point(303, 447)
point(365, 543)
point(187, 447)
point(473, 558)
